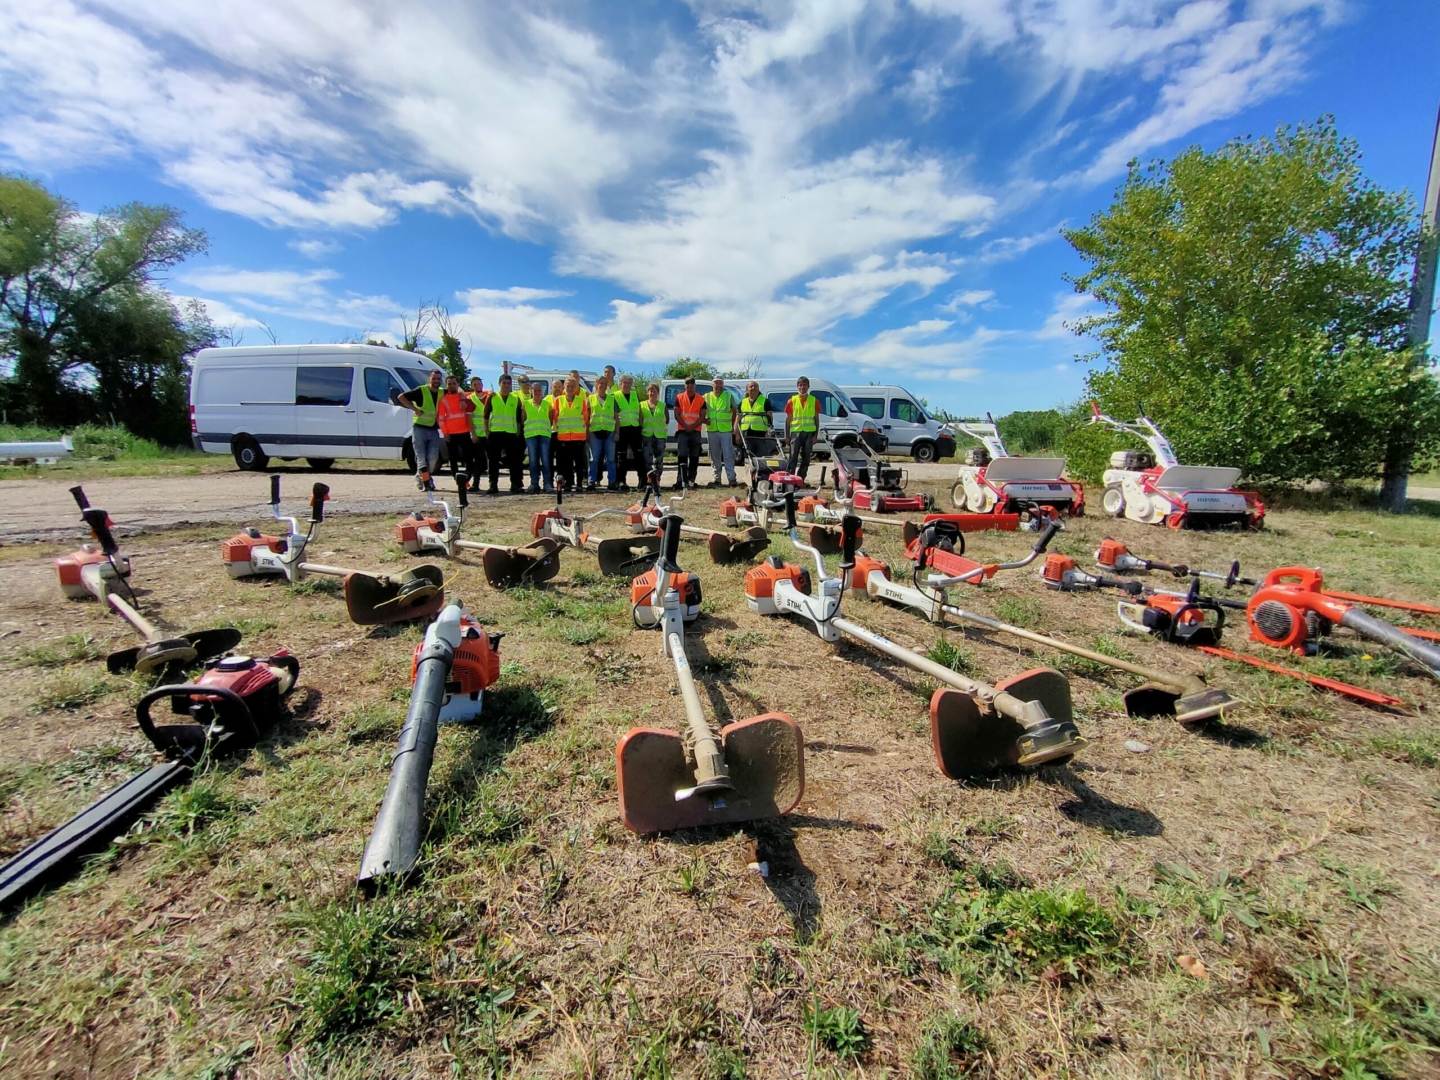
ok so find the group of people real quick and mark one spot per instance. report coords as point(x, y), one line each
point(573, 436)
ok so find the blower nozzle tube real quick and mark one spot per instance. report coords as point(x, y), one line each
point(1366, 625)
point(394, 845)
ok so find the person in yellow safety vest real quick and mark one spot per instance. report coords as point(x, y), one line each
point(571, 414)
point(629, 446)
point(452, 416)
point(423, 401)
point(755, 424)
point(502, 431)
point(603, 415)
point(537, 439)
point(478, 395)
point(802, 423)
point(689, 415)
point(720, 425)
point(654, 427)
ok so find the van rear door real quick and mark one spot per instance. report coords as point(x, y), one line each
point(327, 419)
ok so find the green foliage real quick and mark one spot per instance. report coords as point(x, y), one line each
point(84, 329)
point(946, 653)
point(1421, 748)
point(950, 1048)
point(1021, 611)
point(1256, 301)
point(451, 357)
point(1032, 432)
point(683, 367)
point(69, 649)
point(839, 1030)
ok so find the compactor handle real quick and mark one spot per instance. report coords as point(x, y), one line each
point(317, 501)
point(101, 528)
point(78, 494)
point(275, 493)
point(670, 542)
point(1045, 537)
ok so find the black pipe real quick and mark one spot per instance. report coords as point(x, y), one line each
point(1366, 625)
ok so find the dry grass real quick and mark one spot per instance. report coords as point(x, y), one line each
point(910, 926)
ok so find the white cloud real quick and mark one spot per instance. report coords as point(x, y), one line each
point(967, 298)
point(514, 295)
point(222, 314)
point(297, 294)
point(314, 248)
point(1069, 308)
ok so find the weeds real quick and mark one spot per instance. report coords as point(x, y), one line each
point(370, 723)
point(70, 649)
point(72, 690)
point(839, 1030)
point(950, 1047)
point(1363, 886)
point(947, 654)
point(1420, 748)
point(1021, 611)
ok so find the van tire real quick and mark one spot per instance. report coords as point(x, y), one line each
point(320, 464)
point(923, 452)
point(407, 454)
point(248, 455)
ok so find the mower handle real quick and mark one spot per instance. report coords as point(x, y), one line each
point(78, 494)
point(100, 526)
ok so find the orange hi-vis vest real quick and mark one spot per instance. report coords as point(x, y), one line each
point(691, 408)
point(450, 411)
point(570, 417)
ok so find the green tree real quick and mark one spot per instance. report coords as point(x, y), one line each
point(682, 367)
point(449, 354)
point(1255, 306)
point(1032, 431)
point(84, 330)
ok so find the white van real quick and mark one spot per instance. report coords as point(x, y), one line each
point(838, 413)
point(909, 427)
point(319, 402)
point(548, 377)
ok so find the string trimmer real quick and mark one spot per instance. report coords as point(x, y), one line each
point(450, 670)
point(103, 572)
point(645, 517)
point(234, 704)
point(756, 767)
point(371, 599)
point(505, 566)
point(619, 557)
point(1025, 720)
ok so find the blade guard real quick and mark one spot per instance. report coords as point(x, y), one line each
point(626, 556)
point(725, 549)
point(372, 600)
point(765, 756)
point(971, 741)
point(529, 564)
point(182, 651)
point(826, 539)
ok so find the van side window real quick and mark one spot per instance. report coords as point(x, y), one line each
point(379, 384)
point(673, 392)
point(323, 385)
point(778, 401)
point(907, 412)
point(872, 407)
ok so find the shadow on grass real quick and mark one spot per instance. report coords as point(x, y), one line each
point(1089, 807)
point(790, 881)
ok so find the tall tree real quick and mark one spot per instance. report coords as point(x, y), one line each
point(80, 313)
point(1255, 305)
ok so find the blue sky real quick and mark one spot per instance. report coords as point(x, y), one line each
point(868, 191)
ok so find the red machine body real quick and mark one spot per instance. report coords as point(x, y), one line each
point(1291, 611)
point(642, 589)
point(236, 698)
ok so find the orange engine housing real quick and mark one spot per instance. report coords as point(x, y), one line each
point(67, 571)
point(760, 580)
point(864, 567)
point(477, 660)
point(408, 531)
point(729, 506)
point(1110, 553)
point(642, 589)
point(237, 549)
point(1057, 566)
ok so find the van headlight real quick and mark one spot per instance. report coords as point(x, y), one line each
point(869, 425)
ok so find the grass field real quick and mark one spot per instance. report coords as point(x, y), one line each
point(1254, 898)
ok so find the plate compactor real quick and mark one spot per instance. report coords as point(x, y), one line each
point(993, 482)
point(371, 599)
point(754, 769)
point(100, 570)
point(645, 517)
point(1026, 720)
point(504, 567)
point(236, 702)
point(621, 556)
point(450, 671)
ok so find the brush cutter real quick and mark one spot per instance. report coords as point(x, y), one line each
point(1168, 493)
point(1026, 720)
point(234, 704)
point(1061, 572)
point(505, 567)
point(102, 572)
point(645, 518)
point(993, 482)
point(867, 481)
point(619, 557)
point(449, 673)
point(371, 599)
point(755, 769)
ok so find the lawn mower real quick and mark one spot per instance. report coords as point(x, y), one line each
point(993, 482)
point(645, 518)
point(449, 673)
point(1168, 493)
point(101, 571)
point(755, 769)
point(371, 599)
point(505, 567)
point(866, 481)
point(1025, 720)
point(619, 557)
point(232, 705)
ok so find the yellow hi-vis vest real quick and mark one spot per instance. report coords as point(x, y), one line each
point(602, 412)
point(629, 409)
point(804, 414)
point(537, 418)
point(428, 405)
point(477, 418)
point(570, 423)
point(752, 414)
point(652, 420)
point(719, 411)
point(550, 402)
point(504, 414)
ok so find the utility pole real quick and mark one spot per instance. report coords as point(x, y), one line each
point(1396, 476)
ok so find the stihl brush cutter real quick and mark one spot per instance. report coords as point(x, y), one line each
point(1025, 720)
point(645, 517)
point(505, 567)
point(867, 481)
point(1168, 493)
point(993, 482)
point(449, 673)
point(371, 599)
point(234, 704)
point(619, 557)
point(103, 572)
point(755, 769)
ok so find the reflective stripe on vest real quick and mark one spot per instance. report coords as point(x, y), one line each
point(803, 414)
point(691, 408)
point(450, 414)
point(537, 418)
point(629, 409)
point(719, 411)
point(602, 412)
point(752, 414)
point(652, 420)
point(477, 418)
point(504, 414)
point(570, 423)
point(426, 416)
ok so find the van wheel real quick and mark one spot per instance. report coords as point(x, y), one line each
point(320, 464)
point(248, 454)
point(407, 454)
point(923, 452)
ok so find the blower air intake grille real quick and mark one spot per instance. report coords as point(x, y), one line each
point(1275, 620)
